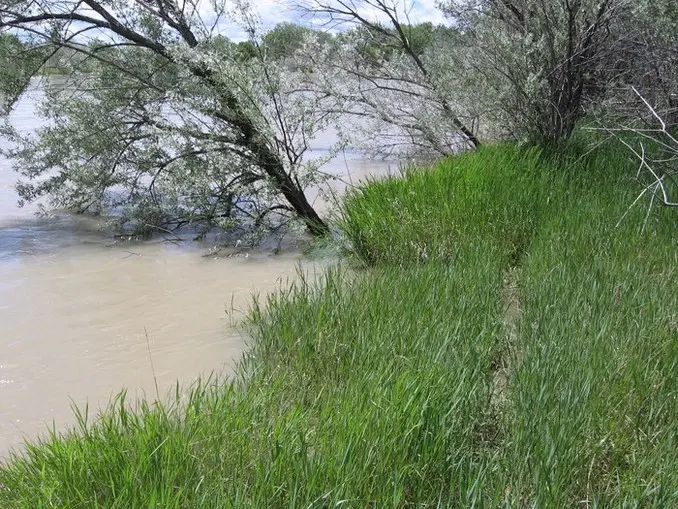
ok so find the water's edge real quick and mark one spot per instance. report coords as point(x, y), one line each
point(79, 311)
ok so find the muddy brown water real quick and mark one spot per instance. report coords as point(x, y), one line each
point(76, 307)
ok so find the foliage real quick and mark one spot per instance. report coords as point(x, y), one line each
point(651, 49)
point(537, 69)
point(533, 65)
point(411, 387)
point(165, 122)
point(521, 70)
point(18, 61)
point(379, 43)
point(284, 40)
point(391, 77)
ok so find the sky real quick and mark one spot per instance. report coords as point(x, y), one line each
point(272, 12)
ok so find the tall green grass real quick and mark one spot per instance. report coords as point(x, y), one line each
point(592, 412)
point(495, 193)
point(409, 384)
point(372, 395)
point(595, 384)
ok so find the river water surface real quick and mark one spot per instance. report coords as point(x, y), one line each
point(79, 311)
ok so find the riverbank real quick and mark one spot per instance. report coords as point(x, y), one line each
point(77, 301)
point(503, 344)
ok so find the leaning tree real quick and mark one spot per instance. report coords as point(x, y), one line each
point(157, 115)
point(391, 74)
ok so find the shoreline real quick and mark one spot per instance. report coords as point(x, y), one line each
point(419, 382)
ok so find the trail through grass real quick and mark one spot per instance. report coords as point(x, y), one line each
point(414, 383)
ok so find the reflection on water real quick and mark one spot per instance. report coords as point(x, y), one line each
point(76, 307)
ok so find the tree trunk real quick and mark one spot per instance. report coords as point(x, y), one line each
point(293, 193)
point(267, 159)
point(296, 197)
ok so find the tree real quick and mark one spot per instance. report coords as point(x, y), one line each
point(164, 121)
point(390, 74)
point(284, 40)
point(538, 62)
point(539, 68)
point(18, 62)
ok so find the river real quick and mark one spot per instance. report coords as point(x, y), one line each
point(79, 311)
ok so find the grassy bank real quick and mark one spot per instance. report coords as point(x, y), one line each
point(409, 384)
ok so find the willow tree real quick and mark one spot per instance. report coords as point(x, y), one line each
point(538, 68)
point(160, 117)
point(393, 75)
point(15, 71)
